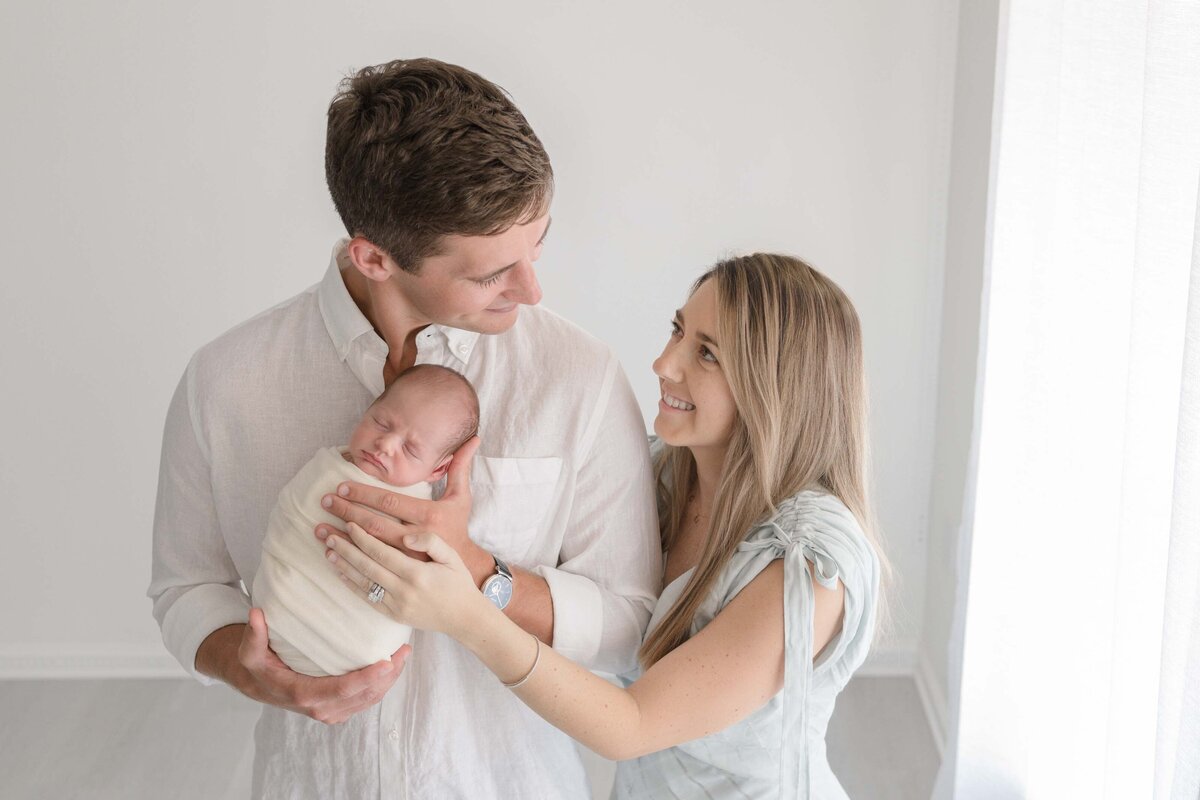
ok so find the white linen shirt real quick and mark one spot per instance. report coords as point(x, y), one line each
point(561, 486)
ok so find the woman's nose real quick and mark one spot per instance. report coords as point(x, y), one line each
point(666, 366)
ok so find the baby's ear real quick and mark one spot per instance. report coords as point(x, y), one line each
point(442, 467)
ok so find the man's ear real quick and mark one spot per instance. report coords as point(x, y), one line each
point(442, 467)
point(370, 260)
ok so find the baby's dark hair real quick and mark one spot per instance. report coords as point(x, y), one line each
point(449, 382)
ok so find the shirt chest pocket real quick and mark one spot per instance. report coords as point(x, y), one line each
point(510, 500)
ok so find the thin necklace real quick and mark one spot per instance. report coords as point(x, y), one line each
point(696, 518)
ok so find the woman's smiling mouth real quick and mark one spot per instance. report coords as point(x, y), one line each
point(677, 404)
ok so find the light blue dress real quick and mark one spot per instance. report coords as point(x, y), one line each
point(777, 751)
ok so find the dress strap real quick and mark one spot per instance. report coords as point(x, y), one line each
point(799, 545)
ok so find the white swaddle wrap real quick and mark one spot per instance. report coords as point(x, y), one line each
point(318, 624)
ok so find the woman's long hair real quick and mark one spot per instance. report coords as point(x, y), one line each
point(791, 351)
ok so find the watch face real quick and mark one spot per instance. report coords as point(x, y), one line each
point(498, 589)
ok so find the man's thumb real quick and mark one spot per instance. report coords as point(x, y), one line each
point(458, 479)
point(256, 635)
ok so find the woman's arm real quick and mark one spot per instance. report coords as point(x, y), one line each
point(715, 679)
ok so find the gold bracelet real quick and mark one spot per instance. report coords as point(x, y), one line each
point(536, 659)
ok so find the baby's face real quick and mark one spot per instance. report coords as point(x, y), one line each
point(401, 439)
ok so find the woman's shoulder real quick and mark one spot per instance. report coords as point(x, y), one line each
point(824, 530)
point(810, 513)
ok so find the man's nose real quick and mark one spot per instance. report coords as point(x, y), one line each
point(525, 288)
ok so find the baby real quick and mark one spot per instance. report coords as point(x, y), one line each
point(318, 624)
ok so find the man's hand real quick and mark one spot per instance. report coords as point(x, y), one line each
point(447, 517)
point(260, 675)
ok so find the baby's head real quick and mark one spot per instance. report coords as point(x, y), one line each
point(411, 431)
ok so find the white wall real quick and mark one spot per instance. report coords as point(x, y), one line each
point(957, 390)
point(161, 179)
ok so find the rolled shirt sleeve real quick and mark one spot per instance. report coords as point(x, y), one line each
point(194, 585)
point(609, 569)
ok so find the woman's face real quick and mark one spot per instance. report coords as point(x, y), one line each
point(696, 408)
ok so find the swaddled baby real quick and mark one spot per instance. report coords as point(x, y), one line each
point(318, 624)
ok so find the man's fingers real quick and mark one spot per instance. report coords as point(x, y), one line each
point(401, 655)
point(355, 495)
point(256, 637)
point(458, 478)
point(378, 525)
point(323, 532)
point(355, 683)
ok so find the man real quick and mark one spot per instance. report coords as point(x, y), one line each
point(445, 191)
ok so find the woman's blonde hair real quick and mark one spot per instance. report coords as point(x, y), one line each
point(791, 351)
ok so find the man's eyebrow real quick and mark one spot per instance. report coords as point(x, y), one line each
point(503, 270)
point(701, 335)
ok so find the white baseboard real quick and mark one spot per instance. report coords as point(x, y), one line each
point(934, 701)
point(66, 661)
point(86, 661)
point(99, 661)
point(891, 662)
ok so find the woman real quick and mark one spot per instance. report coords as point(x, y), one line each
point(771, 567)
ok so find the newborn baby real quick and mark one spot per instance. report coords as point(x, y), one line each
point(318, 625)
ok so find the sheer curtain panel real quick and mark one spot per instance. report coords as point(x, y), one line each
point(1080, 655)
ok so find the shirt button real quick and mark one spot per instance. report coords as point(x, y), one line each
point(394, 734)
point(462, 349)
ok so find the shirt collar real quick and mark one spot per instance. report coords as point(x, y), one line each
point(343, 318)
point(461, 343)
point(345, 321)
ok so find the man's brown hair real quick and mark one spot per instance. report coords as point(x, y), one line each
point(419, 149)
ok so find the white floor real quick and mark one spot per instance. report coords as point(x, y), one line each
point(154, 739)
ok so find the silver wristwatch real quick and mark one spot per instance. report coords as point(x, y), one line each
point(499, 587)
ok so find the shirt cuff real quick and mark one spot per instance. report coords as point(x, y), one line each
point(196, 614)
point(578, 613)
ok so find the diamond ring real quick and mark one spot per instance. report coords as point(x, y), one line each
point(375, 594)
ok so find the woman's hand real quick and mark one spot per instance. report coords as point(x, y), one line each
point(436, 595)
point(377, 510)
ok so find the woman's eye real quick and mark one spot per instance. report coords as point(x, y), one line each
point(488, 282)
point(675, 329)
point(707, 354)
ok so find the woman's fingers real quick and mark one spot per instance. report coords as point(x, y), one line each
point(356, 565)
point(381, 554)
point(434, 546)
point(349, 572)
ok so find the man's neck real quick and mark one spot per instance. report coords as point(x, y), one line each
point(390, 319)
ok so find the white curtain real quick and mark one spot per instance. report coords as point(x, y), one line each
point(1177, 774)
point(1081, 651)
